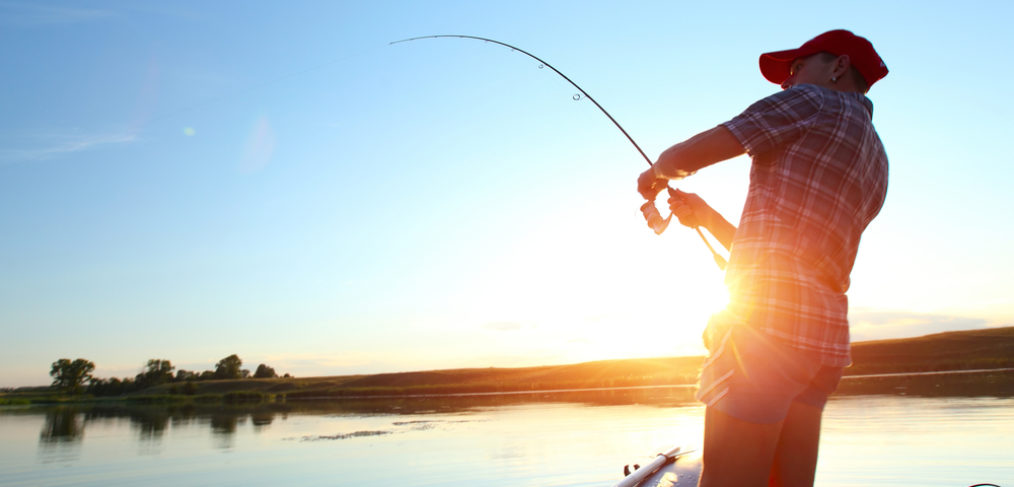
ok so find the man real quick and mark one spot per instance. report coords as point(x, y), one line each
point(818, 177)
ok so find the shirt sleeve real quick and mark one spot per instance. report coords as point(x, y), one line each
point(777, 120)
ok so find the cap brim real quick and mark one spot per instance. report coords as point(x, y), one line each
point(775, 65)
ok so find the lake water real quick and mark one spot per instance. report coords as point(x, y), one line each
point(570, 439)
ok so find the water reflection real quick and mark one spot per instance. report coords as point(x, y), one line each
point(67, 424)
point(62, 425)
point(569, 438)
point(261, 419)
point(150, 424)
point(224, 423)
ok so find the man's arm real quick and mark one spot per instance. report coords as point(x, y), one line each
point(685, 158)
point(699, 151)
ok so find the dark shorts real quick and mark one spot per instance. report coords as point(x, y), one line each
point(754, 378)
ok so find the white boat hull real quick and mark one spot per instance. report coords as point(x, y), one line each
point(675, 468)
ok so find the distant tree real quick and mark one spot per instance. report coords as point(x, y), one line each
point(116, 386)
point(206, 375)
point(245, 373)
point(156, 372)
point(70, 376)
point(229, 368)
point(264, 372)
point(98, 386)
point(112, 386)
point(185, 375)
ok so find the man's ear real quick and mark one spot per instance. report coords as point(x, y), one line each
point(842, 65)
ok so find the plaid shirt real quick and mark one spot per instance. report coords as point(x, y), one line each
point(819, 176)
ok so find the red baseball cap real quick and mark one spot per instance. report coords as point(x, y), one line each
point(775, 65)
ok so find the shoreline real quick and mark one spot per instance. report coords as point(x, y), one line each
point(1001, 385)
point(966, 362)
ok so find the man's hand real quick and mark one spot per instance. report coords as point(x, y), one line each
point(690, 209)
point(649, 184)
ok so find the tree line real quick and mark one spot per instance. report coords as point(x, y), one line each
point(75, 377)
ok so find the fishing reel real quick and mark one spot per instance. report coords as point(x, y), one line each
point(654, 218)
point(659, 224)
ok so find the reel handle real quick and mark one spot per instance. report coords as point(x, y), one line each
point(654, 218)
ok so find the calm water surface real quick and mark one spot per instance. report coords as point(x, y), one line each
point(575, 439)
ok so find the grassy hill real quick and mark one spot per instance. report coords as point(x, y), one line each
point(959, 350)
point(962, 350)
point(607, 373)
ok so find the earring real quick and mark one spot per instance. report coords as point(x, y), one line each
point(834, 79)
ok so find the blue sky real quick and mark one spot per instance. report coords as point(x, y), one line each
point(187, 181)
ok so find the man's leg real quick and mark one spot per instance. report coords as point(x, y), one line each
point(764, 407)
point(796, 456)
point(737, 453)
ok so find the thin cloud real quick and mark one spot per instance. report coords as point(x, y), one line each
point(27, 14)
point(876, 325)
point(502, 326)
point(62, 145)
point(309, 364)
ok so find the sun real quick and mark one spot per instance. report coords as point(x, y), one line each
point(590, 294)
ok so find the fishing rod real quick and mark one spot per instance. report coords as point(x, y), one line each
point(650, 212)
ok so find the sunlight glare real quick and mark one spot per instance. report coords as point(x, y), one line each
point(598, 294)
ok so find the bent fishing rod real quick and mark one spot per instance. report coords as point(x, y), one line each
point(651, 214)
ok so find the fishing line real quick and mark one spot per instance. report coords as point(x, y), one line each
point(659, 227)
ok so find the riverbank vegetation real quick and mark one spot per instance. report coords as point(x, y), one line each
point(884, 366)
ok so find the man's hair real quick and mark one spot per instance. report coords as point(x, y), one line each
point(859, 80)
